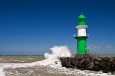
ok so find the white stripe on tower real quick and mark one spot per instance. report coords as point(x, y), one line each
point(82, 30)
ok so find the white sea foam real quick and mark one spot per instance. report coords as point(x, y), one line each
point(52, 61)
point(56, 53)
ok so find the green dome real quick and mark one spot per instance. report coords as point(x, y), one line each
point(81, 20)
point(81, 16)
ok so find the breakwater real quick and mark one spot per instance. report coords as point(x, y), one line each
point(105, 64)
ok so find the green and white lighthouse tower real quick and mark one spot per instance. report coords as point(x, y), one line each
point(81, 35)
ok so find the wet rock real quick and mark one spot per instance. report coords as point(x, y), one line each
point(105, 64)
point(90, 66)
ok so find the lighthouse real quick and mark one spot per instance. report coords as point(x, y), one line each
point(81, 35)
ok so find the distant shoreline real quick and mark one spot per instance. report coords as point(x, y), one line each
point(21, 55)
point(100, 55)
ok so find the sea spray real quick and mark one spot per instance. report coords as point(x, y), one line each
point(50, 59)
point(56, 53)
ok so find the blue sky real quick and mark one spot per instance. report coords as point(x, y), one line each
point(31, 27)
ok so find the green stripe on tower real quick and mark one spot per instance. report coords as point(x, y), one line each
point(81, 45)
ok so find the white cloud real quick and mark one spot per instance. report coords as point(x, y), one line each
point(109, 46)
point(94, 46)
point(98, 47)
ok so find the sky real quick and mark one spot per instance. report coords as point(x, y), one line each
point(32, 27)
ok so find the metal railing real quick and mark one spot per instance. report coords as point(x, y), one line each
point(76, 35)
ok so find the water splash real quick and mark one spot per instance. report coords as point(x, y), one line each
point(56, 53)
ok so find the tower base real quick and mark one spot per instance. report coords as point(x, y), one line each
point(81, 56)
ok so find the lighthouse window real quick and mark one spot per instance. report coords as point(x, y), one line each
point(81, 19)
